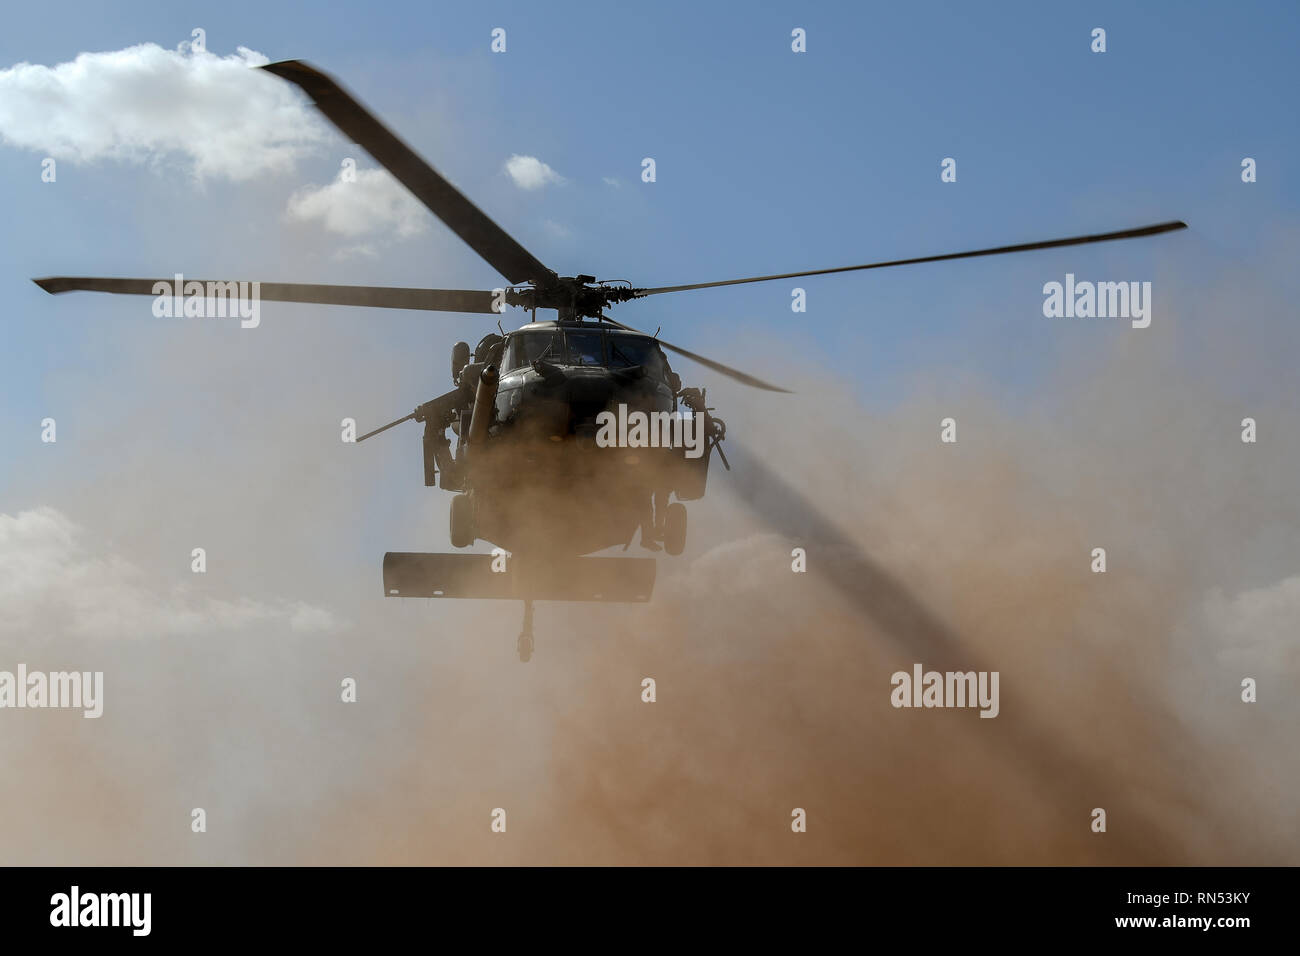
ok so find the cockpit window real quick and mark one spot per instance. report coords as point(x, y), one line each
point(585, 347)
point(628, 350)
point(526, 347)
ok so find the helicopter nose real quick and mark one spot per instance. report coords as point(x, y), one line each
point(590, 391)
point(588, 397)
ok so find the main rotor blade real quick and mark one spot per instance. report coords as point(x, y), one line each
point(996, 251)
point(465, 219)
point(377, 297)
point(739, 376)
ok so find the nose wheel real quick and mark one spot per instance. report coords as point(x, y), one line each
point(525, 643)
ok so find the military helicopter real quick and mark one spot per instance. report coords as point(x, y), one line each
point(529, 471)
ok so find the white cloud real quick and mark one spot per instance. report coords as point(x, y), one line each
point(611, 181)
point(217, 116)
point(557, 229)
point(372, 202)
point(51, 582)
point(1257, 627)
point(529, 172)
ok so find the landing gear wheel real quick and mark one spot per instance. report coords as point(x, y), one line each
point(462, 521)
point(675, 528)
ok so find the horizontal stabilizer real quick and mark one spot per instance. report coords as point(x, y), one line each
point(414, 574)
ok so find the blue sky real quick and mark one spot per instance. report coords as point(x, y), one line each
point(767, 161)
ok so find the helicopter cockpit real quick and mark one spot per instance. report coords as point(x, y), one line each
point(583, 347)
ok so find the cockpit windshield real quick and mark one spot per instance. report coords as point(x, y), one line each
point(585, 347)
point(524, 348)
point(626, 351)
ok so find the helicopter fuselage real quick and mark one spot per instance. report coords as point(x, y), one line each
point(550, 473)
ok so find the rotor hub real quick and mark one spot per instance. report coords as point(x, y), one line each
point(573, 297)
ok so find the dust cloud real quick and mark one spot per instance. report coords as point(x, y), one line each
point(1118, 691)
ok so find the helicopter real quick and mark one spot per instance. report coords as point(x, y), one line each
point(528, 409)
